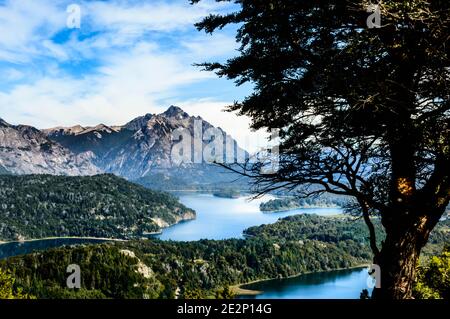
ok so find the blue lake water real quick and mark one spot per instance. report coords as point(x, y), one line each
point(222, 218)
point(340, 284)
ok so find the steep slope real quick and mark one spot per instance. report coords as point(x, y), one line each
point(26, 150)
point(37, 206)
point(98, 140)
point(142, 147)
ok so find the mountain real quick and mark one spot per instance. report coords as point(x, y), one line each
point(98, 139)
point(139, 150)
point(107, 206)
point(142, 147)
point(26, 150)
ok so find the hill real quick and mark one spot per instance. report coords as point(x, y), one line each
point(200, 269)
point(38, 206)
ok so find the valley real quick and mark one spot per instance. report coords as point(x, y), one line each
point(208, 256)
point(93, 196)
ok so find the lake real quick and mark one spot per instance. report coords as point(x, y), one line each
point(217, 218)
point(339, 284)
point(222, 218)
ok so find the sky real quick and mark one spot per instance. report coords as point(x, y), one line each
point(120, 60)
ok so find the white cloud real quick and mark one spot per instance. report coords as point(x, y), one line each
point(25, 25)
point(135, 18)
point(12, 74)
point(133, 70)
point(128, 85)
point(207, 46)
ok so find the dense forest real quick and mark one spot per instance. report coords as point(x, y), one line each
point(200, 269)
point(184, 269)
point(38, 206)
point(227, 193)
point(333, 229)
point(338, 230)
point(288, 203)
point(433, 278)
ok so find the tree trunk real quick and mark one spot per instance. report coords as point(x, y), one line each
point(399, 256)
point(397, 261)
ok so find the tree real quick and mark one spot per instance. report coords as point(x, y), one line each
point(225, 293)
point(362, 112)
point(433, 280)
point(7, 290)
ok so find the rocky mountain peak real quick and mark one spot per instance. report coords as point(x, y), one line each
point(175, 112)
point(98, 128)
point(142, 146)
point(138, 122)
point(27, 150)
point(60, 130)
point(3, 123)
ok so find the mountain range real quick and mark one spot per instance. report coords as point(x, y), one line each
point(136, 150)
point(27, 150)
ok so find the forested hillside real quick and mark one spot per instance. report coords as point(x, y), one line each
point(190, 269)
point(38, 206)
point(199, 269)
point(287, 203)
point(338, 230)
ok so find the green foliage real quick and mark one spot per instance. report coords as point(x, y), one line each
point(38, 206)
point(195, 293)
point(199, 269)
point(225, 293)
point(227, 193)
point(191, 270)
point(433, 278)
point(8, 289)
point(337, 230)
point(287, 203)
point(439, 238)
point(106, 272)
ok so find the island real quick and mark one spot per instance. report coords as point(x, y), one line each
point(206, 268)
point(227, 193)
point(289, 203)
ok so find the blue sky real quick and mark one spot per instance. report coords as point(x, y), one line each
point(127, 58)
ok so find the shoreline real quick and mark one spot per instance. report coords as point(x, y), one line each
point(67, 237)
point(240, 291)
point(105, 239)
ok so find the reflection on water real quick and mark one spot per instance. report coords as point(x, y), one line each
point(340, 284)
point(222, 218)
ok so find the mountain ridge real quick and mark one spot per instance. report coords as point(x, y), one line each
point(136, 149)
point(26, 150)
